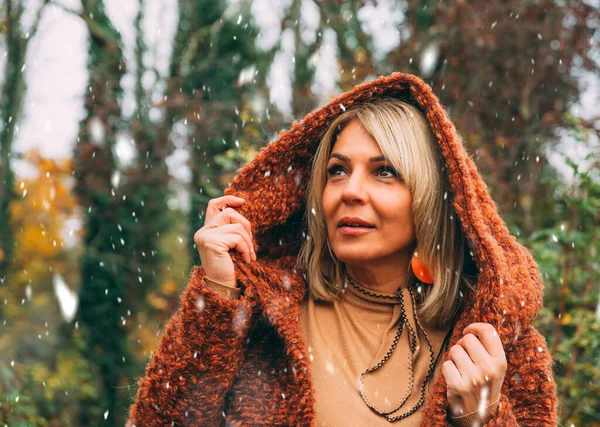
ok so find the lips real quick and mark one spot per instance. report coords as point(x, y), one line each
point(355, 230)
point(354, 222)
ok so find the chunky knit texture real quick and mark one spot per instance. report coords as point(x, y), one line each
point(227, 362)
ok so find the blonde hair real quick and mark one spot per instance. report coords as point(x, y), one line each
point(408, 144)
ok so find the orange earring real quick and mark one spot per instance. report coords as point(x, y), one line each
point(420, 270)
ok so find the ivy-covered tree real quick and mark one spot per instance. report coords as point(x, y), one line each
point(16, 39)
point(107, 219)
point(213, 45)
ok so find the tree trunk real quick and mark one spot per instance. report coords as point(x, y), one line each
point(12, 95)
point(105, 250)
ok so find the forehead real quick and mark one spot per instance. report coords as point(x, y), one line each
point(355, 141)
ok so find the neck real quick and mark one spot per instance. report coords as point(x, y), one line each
point(381, 278)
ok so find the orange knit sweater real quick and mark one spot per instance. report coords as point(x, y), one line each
point(244, 362)
point(347, 336)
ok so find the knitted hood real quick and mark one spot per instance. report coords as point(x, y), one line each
point(510, 290)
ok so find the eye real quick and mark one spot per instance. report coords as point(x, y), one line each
point(388, 169)
point(333, 170)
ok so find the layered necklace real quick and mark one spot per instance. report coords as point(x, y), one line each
point(403, 320)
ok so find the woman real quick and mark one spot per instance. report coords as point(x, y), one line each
point(372, 281)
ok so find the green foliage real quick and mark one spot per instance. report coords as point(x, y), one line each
point(567, 251)
point(47, 393)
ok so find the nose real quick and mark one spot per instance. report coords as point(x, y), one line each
point(354, 190)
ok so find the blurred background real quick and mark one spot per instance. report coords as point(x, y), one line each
point(120, 119)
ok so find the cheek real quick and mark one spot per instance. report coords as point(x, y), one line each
point(397, 210)
point(328, 203)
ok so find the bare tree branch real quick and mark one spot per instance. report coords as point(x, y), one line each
point(38, 18)
point(93, 27)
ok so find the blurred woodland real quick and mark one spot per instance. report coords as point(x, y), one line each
point(78, 324)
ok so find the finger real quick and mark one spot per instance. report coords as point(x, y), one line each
point(236, 241)
point(463, 362)
point(241, 245)
point(488, 336)
point(247, 238)
point(476, 351)
point(230, 216)
point(220, 203)
point(236, 217)
point(241, 231)
point(454, 383)
point(451, 374)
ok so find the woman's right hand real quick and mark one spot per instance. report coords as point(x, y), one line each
point(224, 229)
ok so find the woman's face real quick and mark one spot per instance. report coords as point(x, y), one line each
point(360, 184)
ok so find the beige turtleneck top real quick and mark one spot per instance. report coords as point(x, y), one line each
point(354, 333)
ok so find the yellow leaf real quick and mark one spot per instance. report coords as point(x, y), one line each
point(157, 302)
point(567, 319)
point(169, 287)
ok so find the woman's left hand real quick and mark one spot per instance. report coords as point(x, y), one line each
point(475, 370)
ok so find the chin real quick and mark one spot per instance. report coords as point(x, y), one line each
point(353, 256)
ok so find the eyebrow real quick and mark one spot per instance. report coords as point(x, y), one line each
point(346, 159)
